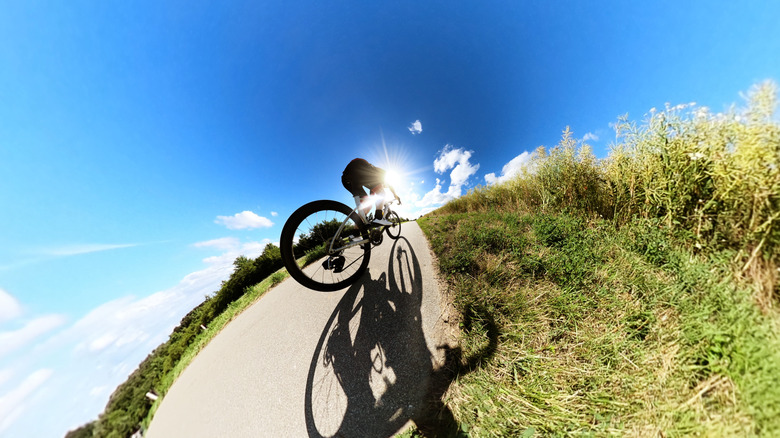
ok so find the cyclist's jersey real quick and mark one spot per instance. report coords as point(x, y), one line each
point(360, 173)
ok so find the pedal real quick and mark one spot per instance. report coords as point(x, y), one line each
point(335, 264)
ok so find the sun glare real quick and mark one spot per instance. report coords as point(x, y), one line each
point(393, 177)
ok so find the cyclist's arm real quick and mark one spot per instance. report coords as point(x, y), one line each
point(394, 193)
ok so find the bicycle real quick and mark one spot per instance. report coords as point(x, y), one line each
point(326, 246)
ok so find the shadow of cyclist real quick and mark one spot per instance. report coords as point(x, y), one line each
point(370, 370)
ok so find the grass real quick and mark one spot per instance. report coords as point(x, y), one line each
point(631, 296)
point(602, 331)
point(215, 327)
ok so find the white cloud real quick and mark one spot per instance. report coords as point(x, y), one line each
point(274, 214)
point(416, 127)
point(12, 404)
point(434, 197)
point(244, 220)
point(15, 339)
point(590, 136)
point(449, 157)
point(462, 170)
point(510, 169)
point(461, 173)
point(9, 307)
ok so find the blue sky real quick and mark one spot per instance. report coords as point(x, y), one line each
point(144, 145)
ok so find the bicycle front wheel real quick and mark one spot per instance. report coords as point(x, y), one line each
point(394, 231)
point(319, 252)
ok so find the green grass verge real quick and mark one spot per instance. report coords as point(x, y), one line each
point(599, 331)
point(233, 310)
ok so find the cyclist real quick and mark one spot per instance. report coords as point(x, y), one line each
point(360, 173)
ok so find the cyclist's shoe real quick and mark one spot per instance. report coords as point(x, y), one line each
point(383, 222)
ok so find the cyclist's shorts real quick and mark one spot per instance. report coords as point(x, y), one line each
point(360, 173)
point(356, 186)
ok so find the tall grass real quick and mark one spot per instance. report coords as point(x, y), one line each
point(713, 178)
point(633, 295)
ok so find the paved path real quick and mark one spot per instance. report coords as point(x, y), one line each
point(300, 363)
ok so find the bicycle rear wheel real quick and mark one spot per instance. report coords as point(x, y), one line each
point(306, 240)
point(394, 231)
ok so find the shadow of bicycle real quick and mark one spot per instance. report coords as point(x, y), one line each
point(370, 370)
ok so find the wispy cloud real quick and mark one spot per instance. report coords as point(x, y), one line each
point(98, 351)
point(33, 329)
point(9, 307)
point(41, 254)
point(416, 127)
point(5, 375)
point(78, 249)
point(274, 214)
point(244, 220)
point(510, 169)
point(250, 249)
point(224, 244)
point(13, 403)
point(232, 248)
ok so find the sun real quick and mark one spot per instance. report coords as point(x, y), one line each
point(394, 178)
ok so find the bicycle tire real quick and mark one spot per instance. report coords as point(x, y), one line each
point(394, 231)
point(315, 275)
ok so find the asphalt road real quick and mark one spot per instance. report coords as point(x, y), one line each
point(301, 363)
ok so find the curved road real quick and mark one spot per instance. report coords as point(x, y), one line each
point(300, 363)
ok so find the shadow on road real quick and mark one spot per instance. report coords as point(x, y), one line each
point(371, 367)
point(371, 371)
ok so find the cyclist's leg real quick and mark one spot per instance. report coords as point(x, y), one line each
point(362, 207)
point(354, 187)
point(379, 192)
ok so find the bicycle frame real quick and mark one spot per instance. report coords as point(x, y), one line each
point(356, 211)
